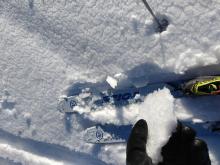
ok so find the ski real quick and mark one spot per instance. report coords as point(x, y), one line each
point(104, 134)
point(110, 134)
point(95, 99)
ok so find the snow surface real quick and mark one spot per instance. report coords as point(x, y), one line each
point(49, 47)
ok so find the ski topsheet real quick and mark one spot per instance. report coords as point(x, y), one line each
point(105, 134)
point(118, 97)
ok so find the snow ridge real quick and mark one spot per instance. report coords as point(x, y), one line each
point(26, 158)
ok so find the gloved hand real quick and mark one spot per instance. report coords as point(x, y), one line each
point(183, 148)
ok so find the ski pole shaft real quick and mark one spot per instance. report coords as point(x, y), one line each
point(150, 10)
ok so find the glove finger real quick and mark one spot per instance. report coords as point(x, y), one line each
point(136, 146)
point(138, 137)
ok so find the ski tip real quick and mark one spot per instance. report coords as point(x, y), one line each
point(66, 104)
point(96, 135)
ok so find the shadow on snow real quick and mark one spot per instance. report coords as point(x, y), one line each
point(53, 151)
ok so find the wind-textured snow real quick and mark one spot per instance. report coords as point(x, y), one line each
point(49, 47)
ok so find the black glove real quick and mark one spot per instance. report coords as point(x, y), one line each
point(182, 148)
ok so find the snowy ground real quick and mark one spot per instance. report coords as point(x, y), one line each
point(49, 47)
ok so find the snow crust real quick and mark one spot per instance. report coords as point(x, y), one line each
point(48, 47)
point(112, 82)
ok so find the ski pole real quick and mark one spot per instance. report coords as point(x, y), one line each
point(151, 12)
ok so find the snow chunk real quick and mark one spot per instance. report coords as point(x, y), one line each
point(111, 81)
point(158, 110)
